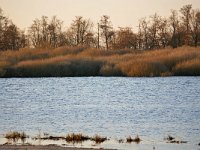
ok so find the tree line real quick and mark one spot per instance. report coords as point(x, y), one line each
point(11, 37)
point(180, 28)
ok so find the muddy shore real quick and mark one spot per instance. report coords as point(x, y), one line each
point(37, 147)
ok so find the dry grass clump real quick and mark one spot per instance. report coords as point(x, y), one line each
point(171, 139)
point(54, 138)
point(76, 138)
point(142, 68)
point(15, 136)
point(66, 50)
point(98, 139)
point(136, 139)
point(188, 68)
point(92, 52)
point(15, 57)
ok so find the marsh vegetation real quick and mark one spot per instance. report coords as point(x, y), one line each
point(83, 61)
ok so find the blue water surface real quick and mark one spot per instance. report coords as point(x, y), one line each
point(114, 107)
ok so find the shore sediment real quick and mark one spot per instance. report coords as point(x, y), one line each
point(39, 147)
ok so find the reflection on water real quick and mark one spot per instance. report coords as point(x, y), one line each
point(114, 107)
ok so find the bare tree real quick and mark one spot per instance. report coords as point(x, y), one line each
point(153, 31)
point(35, 33)
point(23, 39)
point(186, 18)
point(144, 33)
point(139, 37)
point(54, 27)
point(70, 38)
point(44, 32)
point(163, 33)
point(10, 35)
point(2, 23)
point(106, 29)
point(81, 30)
point(174, 24)
point(125, 38)
point(195, 27)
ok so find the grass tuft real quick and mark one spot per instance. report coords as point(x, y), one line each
point(171, 139)
point(98, 139)
point(15, 136)
point(136, 139)
point(76, 138)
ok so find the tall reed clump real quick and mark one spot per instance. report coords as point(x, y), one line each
point(76, 138)
point(137, 139)
point(98, 139)
point(66, 50)
point(188, 68)
point(15, 136)
point(142, 68)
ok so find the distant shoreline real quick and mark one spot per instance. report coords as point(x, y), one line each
point(93, 77)
point(96, 77)
point(87, 62)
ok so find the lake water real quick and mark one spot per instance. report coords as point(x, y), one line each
point(114, 107)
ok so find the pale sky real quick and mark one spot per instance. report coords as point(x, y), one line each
point(122, 12)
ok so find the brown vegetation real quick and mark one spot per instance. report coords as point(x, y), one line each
point(98, 139)
point(136, 139)
point(76, 138)
point(83, 61)
point(54, 138)
point(15, 136)
point(171, 139)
